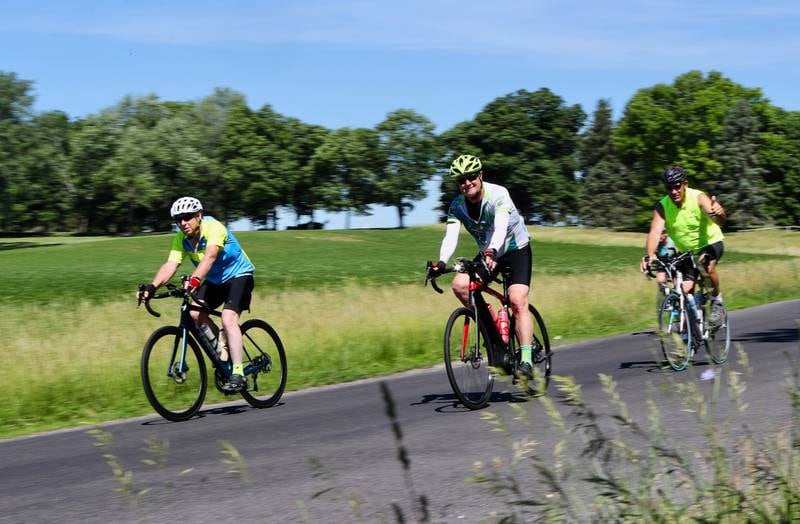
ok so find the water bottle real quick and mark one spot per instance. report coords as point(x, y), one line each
point(208, 335)
point(696, 311)
point(502, 323)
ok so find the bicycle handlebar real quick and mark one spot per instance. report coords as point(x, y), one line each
point(173, 291)
point(474, 268)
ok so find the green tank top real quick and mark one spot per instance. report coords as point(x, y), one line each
point(688, 226)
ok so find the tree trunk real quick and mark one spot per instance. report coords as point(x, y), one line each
point(401, 214)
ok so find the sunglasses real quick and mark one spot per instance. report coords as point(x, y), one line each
point(185, 217)
point(673, 187)
point(468, 178)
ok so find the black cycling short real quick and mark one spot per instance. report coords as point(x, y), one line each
point(235, 293)
point(518, 265)
point(706, 255)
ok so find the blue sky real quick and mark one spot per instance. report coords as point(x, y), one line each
point(350, 62)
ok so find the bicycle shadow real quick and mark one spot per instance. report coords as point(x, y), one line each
point(449, 403)
point(203, 413)
point(662, 366)
point(780, 335)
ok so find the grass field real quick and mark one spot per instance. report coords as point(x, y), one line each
point(348, 304)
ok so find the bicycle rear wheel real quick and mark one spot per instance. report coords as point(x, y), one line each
point(264, 364)
point(466, 359)
point(719, 336)
point(541, 354)
point(174, 380)
point(674, 332)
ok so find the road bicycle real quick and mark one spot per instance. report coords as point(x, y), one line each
point(174, 372)
point(684, 319)
point(477, 346)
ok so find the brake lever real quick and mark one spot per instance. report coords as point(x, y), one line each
point(429, 277)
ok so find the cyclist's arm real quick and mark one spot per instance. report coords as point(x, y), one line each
point(450, 240)
point(501, 219)
point(165, 272)
point(712, 208)
point(656, 226)
point(211, 254)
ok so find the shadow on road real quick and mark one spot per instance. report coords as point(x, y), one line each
point(222, 410)
point(782, 335)
point(449, 403)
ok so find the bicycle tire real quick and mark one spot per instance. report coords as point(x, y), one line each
point(718, 343)
point(470, 377)
point(263, 350)
point(169, 389)
point(542, 355)
point(675, 336)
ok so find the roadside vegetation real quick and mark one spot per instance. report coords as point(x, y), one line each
point(347, 305)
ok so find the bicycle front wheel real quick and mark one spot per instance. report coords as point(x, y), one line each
point(718, 343)
point(542, 356)
point(173, 374)
point(466, 359)
point(674, 332)
point(264, 364)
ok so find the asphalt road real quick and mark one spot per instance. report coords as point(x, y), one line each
point(329, 454)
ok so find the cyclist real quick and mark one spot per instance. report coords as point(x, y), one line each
point(488, 213)
point(665, 251)
point(228, 274)
point(693, 221)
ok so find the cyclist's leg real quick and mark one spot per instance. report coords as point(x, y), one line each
point(210, 296)
point(239, 293)
point(519, 280)
point(461, 287)
point(712, 254)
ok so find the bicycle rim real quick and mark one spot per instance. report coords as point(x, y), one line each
point(466, 359)
point(719, 339)
point(542, 356)
point(264, 364)
point(674, 333)
point(174, 380)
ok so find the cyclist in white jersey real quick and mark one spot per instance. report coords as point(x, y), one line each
point(488, 213)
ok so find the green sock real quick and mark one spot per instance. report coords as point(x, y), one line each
point(238, 369)
point(526, 354)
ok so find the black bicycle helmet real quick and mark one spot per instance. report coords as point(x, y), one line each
point(673, 175)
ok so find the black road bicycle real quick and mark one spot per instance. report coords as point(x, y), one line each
point(174, 372)
point(475, 349)
point(684, 327)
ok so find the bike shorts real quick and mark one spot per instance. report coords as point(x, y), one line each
point(710, 252)
point(235, 293)
point(517, 264)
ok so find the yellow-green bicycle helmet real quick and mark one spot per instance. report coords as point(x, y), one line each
point(465, 165)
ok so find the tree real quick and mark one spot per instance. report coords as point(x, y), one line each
point(605, 197)
point(15, 137)
point(740, 184)
point(346, 167)
point(407, 142)
point(777, 154)
point(682, 124)
point(527, 142)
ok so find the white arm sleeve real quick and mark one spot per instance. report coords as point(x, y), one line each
point(450, 241)
point(501, 220)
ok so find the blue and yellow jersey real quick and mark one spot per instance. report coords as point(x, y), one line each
point(231, 262)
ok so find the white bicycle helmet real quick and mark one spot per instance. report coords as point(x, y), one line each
point(185, 205)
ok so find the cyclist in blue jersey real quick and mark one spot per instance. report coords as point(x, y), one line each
point(488, 213)
point(223, 275)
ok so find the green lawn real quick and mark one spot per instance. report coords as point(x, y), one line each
point(64, 269)
point(347, 305)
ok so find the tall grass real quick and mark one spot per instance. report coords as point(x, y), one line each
point(80, 363)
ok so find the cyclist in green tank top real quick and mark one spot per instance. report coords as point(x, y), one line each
point(693, 221)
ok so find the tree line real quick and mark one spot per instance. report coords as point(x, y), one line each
point(119, 170)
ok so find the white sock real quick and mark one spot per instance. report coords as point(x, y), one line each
point(717, 298)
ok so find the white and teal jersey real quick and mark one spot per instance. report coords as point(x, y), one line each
point(230, 263)
point(497, 212)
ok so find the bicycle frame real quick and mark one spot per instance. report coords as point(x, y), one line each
point(675, 276)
